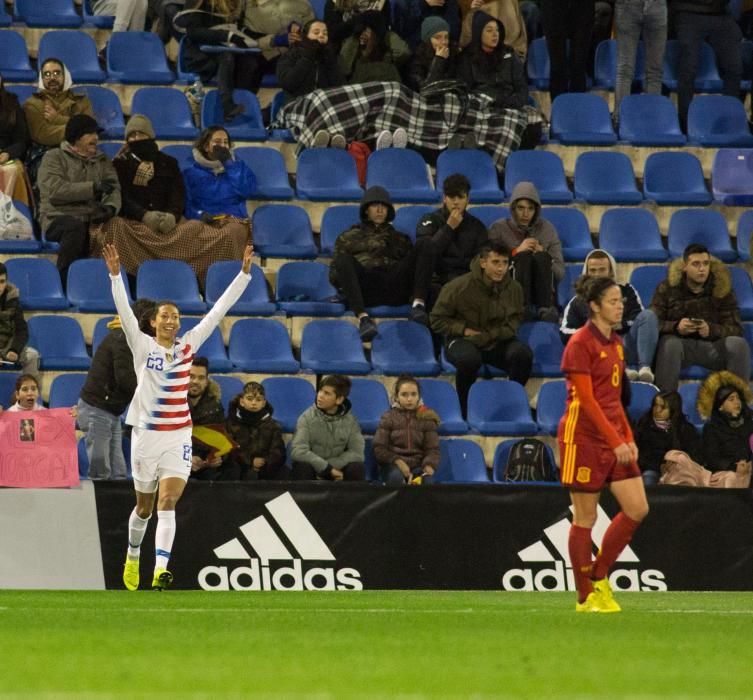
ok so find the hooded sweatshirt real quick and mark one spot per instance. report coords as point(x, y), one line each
point(506, 11)
point(512, 233)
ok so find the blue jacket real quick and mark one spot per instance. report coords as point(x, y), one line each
point(224, 193)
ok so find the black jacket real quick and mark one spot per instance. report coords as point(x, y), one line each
point(302, 69)
point(724, 445)
point(705, 7)
point(14, 136)
point(653, 442)
point(111, 381)
point(257, 435)
point(426, 67)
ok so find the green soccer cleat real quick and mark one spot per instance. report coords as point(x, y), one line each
point(604, 593)
point(162, 579)
point(592, 604)
point(131, 574)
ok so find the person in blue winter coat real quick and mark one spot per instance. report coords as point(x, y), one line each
point(216, 183)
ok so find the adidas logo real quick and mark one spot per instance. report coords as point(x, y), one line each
point(303, 544)
point(558, 576)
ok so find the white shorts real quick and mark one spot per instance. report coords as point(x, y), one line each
point(159, 454)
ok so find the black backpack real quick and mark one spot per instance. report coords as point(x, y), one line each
point(529, 460)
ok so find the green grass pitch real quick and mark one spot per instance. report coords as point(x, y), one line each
point(410, 644)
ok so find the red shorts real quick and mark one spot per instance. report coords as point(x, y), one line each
point(589, 465)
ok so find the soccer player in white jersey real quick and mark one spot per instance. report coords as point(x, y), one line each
point(159, 414)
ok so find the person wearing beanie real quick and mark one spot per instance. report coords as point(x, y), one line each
point(724, 402)
point(373, 264)
point(79, 191)
point(435, 57)
point(410, 16)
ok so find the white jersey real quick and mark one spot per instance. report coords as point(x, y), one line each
point(160, 401)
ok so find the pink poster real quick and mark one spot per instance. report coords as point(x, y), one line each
point(38, 449)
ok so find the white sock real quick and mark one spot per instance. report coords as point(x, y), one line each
point(163, 538)
point(136, 530)
point(418, 302)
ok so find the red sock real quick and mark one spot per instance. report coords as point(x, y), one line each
point(581, 554)
point(616, 538)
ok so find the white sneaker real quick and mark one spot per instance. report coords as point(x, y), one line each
point(632, 374)
point(338, 141)
point(645, 375)
point(384, 140)
point(399, 138)
point(321, 139)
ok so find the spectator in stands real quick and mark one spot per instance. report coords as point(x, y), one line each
point(446, 242)
point(435, 57)
point(373, 52)
point(206, 409)
point(662, 428)
point(309, 64)
point(26, 394)
point(328, 443)
point(261, 451)
point(633, 20)
point(639, 329)
point(78, 189)
point(507, 12)
point(479, 314)
point(341, 15)
point(709, 20)
point(14, 333)
point(275, 26)
point(538, 263)
point(565, 20)
point(14, 140)
point(130, 15)
point(406, 443)
point(724, 402)
point(106, 393)
point(413, 13)
point(699, 319)
point(373, 264)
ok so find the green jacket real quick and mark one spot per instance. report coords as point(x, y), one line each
point(470, 301)
point(358, 69)
point(14, 333)
point(323, 440)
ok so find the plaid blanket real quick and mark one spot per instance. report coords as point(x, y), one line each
point(361, 111)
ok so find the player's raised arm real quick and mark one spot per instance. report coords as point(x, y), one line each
point(248, 254)
point(112, 259)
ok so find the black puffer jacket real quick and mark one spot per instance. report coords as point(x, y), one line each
point(725, 444)
point(306, 67)
point(426, 67)
point(257, 435)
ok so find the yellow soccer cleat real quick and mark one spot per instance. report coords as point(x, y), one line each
point(604, 593)
point(590, 604)
point(162, 579)
point(131, 574)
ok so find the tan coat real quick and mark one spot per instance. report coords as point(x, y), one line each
point(272, 17)
point(507, 12)
point(52, 132)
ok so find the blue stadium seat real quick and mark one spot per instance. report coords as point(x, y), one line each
point(646, 279)
point(538, 64)
point(14, 59)
point(707, 77)
point(77, 50)
point(732, 177)
point(605, 177)
point(335, 220)
point(107, 110)
point(83, 459)
point(88, 287)
point(372, 468)
point(544, 339)
point(38, 282)
point(744, 231)
point(332, 346)
point(631, 234)
point(92, 20)
point(230, 387)
point(274, 107)
point(718, 121)
point(167, 109)
point(318, 7)
point(185, 75)
point(182, 152)
point(109, 148)
point(550, 406)
point(605, 64)
point(581, 118)
point(440, 396)
point(369, 401)
point(100, 331)
point(248, 126)
point(23, 92)
point(5, 18)
point(327, 174)
point(21, 246)
point(499, 463)
point(304, 289)
point(566, 286)
point(488, 213)
point(270, 171)
point(261, 345)
point(8, 387)
point(60, 343)
point(689, 394)
point(572, 229)
point(283, 231)
point(650, 120)
point(47, 13)
point(403, 173)
point(641, 397)
point(544, 169)
point(705, 226)
point(747, 52)
point(461, 461)
point(213, 348)
point(403, 347)
point(743, 291)
point(137, 58)
point(407, 218)
point(500, 407)
point(255, 299)
point(65, 389)
point(170, 279)
point(477, 166)
point(290, 396)
point(675, 178)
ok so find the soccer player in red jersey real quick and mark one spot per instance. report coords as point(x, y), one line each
point(596, 444)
